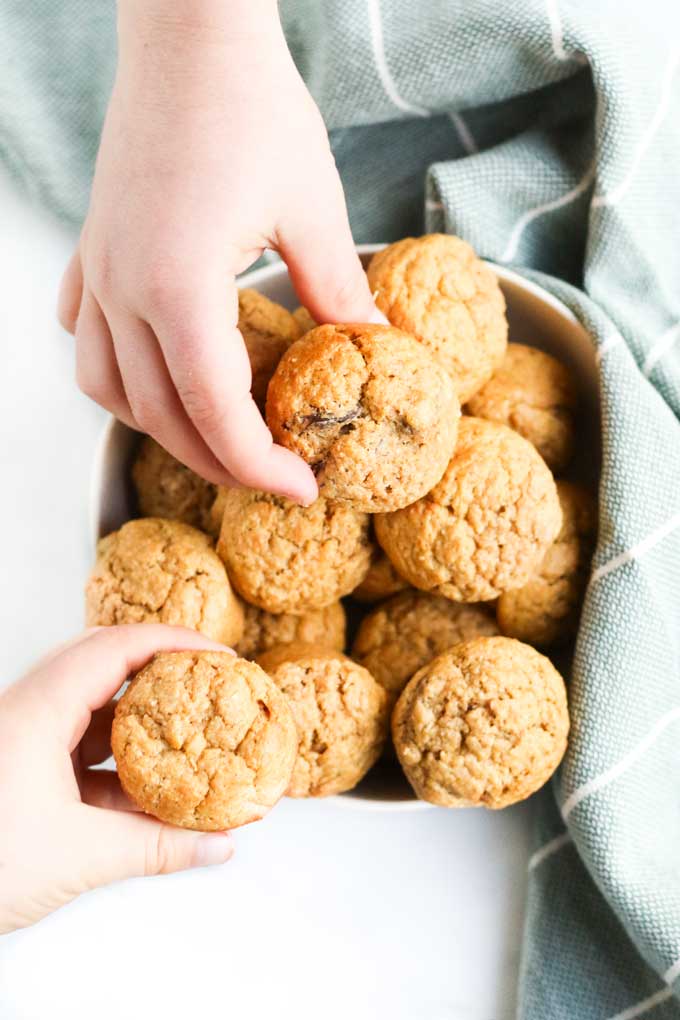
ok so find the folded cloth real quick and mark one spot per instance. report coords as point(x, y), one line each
point(547, 133)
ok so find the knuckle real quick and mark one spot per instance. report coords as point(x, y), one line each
point(148, 414)
point(162, 852)
point(93, 385)
point(203, 410)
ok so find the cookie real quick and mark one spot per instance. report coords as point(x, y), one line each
point(289, 559)
point(547, 609)
point(405, 633)
point(157, 571)
point(304, 320)
point(340, 712)
point(264, 630)
point(484, 724)
point(436, 288)
point(535, 394)
point(380, 582)
point(166, 488)
point(485, 527)
point(213, 523)
point(369, 410)
point(268, 330)
point(203, 740)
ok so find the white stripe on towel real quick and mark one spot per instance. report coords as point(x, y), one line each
point(466, 137)
point(613, 340)
point(660, 346)
point(638, 550)
point(617, 193)
point(549, 848)
point(621, 766)
point(381, 63)
point(644, 1005)
point(672, 973)
point(546, 207)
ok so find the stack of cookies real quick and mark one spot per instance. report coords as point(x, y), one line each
point(442, 535)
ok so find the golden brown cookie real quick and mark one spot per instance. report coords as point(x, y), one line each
point(486, 526)
point(213, 523)
point(340, 712)
point(166, 488)
point(547, 608)
point(405, 633)
point(304, 320)
point(289, 559)
point(317, 626)
point(157, 571)
point(485, 723)
point(380, 582)
point(369, 410)
point(535, 394)
point(204, 740)
point(436, 288)
point(268, 330)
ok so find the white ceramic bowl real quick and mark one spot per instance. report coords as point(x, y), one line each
point(535, 318)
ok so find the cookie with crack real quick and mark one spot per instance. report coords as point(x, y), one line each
point(546, 609)
point(340, 712)
point(289, 559)
point(485, 527)
point(265, 630)
point(157, 571)
point(484, 724)
point(535, 394)
point(436, 288)
point(405, 633)
point(166, 488)
point(369, 410)
point(381, 581)
point(203, 740)
point(268, 329)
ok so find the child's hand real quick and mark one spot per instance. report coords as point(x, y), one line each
point(212, 151)
point(65, 827)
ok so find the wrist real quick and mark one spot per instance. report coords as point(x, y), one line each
point(195, 22)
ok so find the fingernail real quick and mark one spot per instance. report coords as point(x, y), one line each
point(378, 317)
point(212, 850)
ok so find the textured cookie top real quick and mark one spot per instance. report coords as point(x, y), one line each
point(203, 740)
point(158, 571)
point(166, 488)
point(265, 630)
point(546, 609)
point(409, 630)
point(288, 559)
point(340, 712)
point(369, 409)
point(268, 330)
point(381, 581)
point(535, 395)
point(485, 723)
point(436, 288)
point(485, 527)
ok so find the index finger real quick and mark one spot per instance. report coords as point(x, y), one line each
point(87, 674)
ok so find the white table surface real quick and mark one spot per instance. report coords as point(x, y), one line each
point(325, 911)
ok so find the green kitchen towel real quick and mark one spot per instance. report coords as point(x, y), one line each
point(547, 133)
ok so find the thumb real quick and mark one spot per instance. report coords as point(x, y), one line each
point(122, 844)
point(316, 244)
